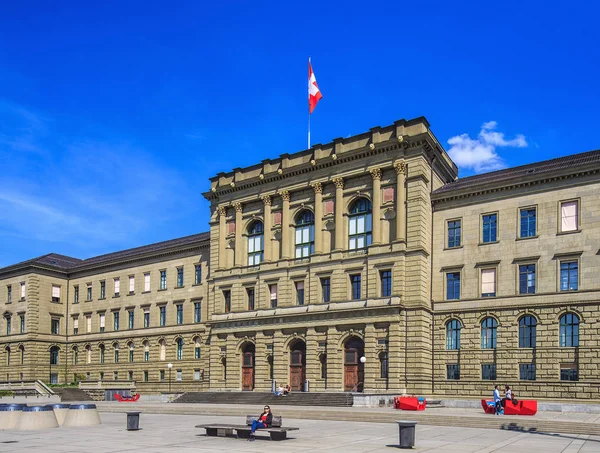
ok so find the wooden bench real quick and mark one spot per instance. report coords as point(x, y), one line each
point(276, 431)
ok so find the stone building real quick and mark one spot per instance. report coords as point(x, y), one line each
point(361, 265)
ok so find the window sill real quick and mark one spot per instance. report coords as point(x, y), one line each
point(561, 233)
point(452, 300)
point(527, 237)
point(179, 287)
point(102, 298)
point(22, 299)
point(164, 289)
point(488, 243)
point(146, 292)
point(116, 296)
point(197, 284)
point(568, 291)
point(89, 300)
point(131, 294)
point(453, 248)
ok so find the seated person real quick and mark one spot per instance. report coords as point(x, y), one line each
point(507, 395)
point(264, 421)
point(287, 390)
point(279, 391)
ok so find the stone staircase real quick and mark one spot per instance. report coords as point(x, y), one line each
point(68, 394)
point(258, 398)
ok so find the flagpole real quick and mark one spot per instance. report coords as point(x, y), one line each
point(308, 106)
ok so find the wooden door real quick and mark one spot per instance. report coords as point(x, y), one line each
point(351, 371)
point(297, 371)
point(248, 371)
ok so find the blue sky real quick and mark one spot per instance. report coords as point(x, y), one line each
point(113, 116)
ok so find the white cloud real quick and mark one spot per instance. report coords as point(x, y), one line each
point(479, 154)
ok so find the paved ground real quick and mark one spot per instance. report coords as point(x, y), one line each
point(167, 433)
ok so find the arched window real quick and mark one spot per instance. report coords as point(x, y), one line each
point(75, 355)
point(196, 347)
point(488, 333)
point(569, 330)
point(323, 360)
point(179, 348)
point(383, 365)
point(305, 234)
point(53, 355)
point(255, 243)
point(163, 349)
point(130, 344)
point(102, 353)
point(116, 347)
point(453, 334)
point(360, 224)
point(527, 334)
point(7, 349)
point(146, 351)
point(88, 352)
point(22, 354)
point(271, 368)
point(224, 368)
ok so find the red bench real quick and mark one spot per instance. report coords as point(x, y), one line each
point(410, 403)
point(127, 399)
point(523, 407)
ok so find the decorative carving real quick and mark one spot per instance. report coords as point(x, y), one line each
point(317, 187)
point(400, 167)
point(285, 195)
point(371, 146)
point(266, 200)
point(376, 173)
point(238, 207)
point(222, 211)
point(339, 183)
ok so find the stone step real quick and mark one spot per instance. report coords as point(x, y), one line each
point(71, 394)
point(293, 399)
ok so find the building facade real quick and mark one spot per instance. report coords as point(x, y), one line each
point(361, 265)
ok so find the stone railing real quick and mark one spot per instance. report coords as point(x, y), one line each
point(27, 387)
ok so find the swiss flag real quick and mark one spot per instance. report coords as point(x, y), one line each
point(314, 94)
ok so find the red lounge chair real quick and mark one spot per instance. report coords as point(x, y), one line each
point(523, 407)
point(410, 403)
point(127, 399)
point(488, 408)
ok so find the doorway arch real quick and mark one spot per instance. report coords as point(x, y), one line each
point(297, 365)
point(354, 369)
point(248, 353)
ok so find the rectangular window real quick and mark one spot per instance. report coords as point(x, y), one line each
point(528, 222)
point(453, 371)
point(569, 372)
point(386, 283)
point(454, 233)
point(179, 375)
point(227, 300)
point(55, 293)
point(115, 375)
point(75, 326)
point(180, 277)
point(146, 282)
point(116, 320)
point(22, 291)
point(22, 323)
point(198, 274)
point(569, 275)
point(88, 324)
point(273, 295)
point(163, 316)
point(180, 314)
point(102, 323)
point(76, 294)
point(163, 279)
point(299, 293)
point(527, 279)
point(326, 289)
point(146, 318)
point(488, 282)
point(197, 312)
point(131, 284)
point(145, 376)
point(117, 286)
point(8, 294)
point(250, 294)
point(146, 356)
point(453, 286)
point(131, 319)
point(196, 375)
point(488, 371)
point(489, 228)
point(162, 375)
point(55, 326)
point(89, 292)
point(569, 213)
point(8, 326)
point(355, 286)
point(527, 371)
point(102, 289)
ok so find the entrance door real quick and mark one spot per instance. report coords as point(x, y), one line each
point(298, 366)
point(353, 368)
point(248, 368)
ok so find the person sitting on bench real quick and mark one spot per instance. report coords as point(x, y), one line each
point(507, 395)
point(264, 421)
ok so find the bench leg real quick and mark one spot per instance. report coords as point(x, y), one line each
point(224, 432)
point(211, 431)
point(278, 435)
point(243, 433)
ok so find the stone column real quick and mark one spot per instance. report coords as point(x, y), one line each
point(318, 188)
point(239, 251)
point(339, 213)
point(285, 224)
point(222, 212)
point(400, 201)
point(376, 174)
point(267, 226)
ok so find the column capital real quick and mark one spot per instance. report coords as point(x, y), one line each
point(400, 167)
point(222, 211)
point(285, 195)
point(376, 173)
point(238, 207)
point(317, 187)
point(266, 200)
point(339, 183)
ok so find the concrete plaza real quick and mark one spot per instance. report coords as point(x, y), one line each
point(165, 433)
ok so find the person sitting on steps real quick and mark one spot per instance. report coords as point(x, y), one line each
point(287, 390)
point(280, 391)
point(264, 421)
